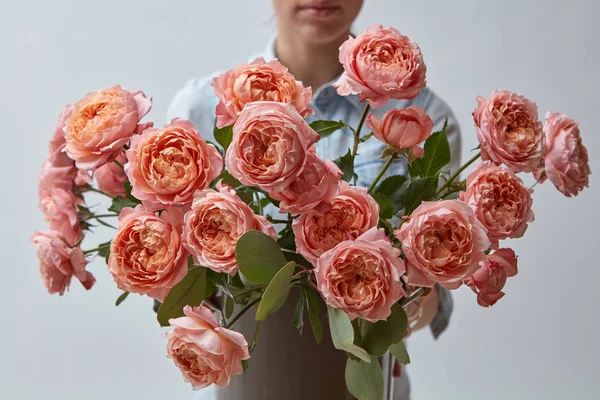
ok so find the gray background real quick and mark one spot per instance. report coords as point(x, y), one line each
point(539, 342)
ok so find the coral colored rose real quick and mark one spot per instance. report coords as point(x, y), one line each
point(166, 166)
point(489, 280)
point(381, 64)
point(101, 123)
point(566, 161)
point(205, 352)
point(56, 148)
point(62, 213)
point(217, 220)
point(55, 177)
point(353, 212)
point(362, 276)
point(500, 200)
point(59, 263)
point(111, 177)
point(443, 242)
point(147, 255)
point(509, 131)
point(312, 190)
point(270, 145)
point(404, 128)
point(258, 81)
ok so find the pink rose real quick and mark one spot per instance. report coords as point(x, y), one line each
point(404, 129)
point(443, 242)
point(258, 81)
point(55, 177)
point(500, 200)
point(62, 213)
point(362, 276)
point(102, 123)
point(56, 148)
point(566, 161)
point(166, 166)
point(147, 255)
point(59, 263)
point(509, 131)
point(489, 280)
point(111, 177)
point(270, 145)
point(353, 212)
point(381, 64)
point(205, 352)
point(217, 220)
point(313, 189)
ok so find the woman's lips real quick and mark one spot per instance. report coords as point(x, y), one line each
point(319, 11)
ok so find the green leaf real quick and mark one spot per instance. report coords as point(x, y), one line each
point(277, 292)
point(399, 352)
point(364, 380)
point(419, 190)
point(391, 185)
point(129, 188)
point(342, 334)
point(120, 203)
point(256, 335)
point(259, 257)
point(121, 298)
point(386, 207)
point(227, 178)
point(390, 151)
point(245, 364)
point(224, 136)
point(346, 165)
point(326, 128)
point(378, 336)
point(189, 291)
point(229, 303)
point(298, 318)
point(287, 239)
point(436, 156)
point(312, 303)
point(107, 256)
point(103, 252)
point(190, 262)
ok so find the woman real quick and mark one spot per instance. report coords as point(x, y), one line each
point(309, 34)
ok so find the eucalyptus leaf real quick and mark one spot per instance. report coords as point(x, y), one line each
point(229, 303)
point(190, 291)
point(386, 208)
point(419, 190)
point(398, 350)
point(342, 334)
point(364, 380)
point(312, 303)
point(121, 298)
point(298, 317)
point(224, 136)
point(326, 128)
point(259, 257)
point(379, 336)
point(277, 292)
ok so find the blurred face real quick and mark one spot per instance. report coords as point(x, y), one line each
point(318, 21)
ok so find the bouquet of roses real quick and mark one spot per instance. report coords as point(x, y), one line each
point(259, 213)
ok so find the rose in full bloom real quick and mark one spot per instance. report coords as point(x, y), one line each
point(166, 166)
point(566, 161)
point(443, 242)
point(500, 200)
point(111, 177)
point(205, 352)
point(353, 212)
point(362, 276)
point(147, 254)
point(212, 227)
point(55, 177)
point(270, 145)
point(312, 190)
point(509, 131)
point(60, 208)
point(258, 81)
point(59, 263)
point(404, 128)
point(489, 280)
point(102, 123)
point(381, 64)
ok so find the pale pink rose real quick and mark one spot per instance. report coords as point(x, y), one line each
point(147, 254)
point(111, 177)
point(490, 279)
point(270, 145)
point(59, 263)
point(61, 210)
point(402, 128)
point(205, 352)
point(381, 64)
point(353, 212)
point(258, 81)
point(102, 123)
point(443, 242)
point(362, 276)
point(312, 190)
point(509, 131)
point(166, 166)
point(83, 178)
point(56, 148)
point(566, 160)
point(500, 200)
point(215, 223)
point(55, 177)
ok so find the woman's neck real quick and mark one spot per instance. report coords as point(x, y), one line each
point(313, 64)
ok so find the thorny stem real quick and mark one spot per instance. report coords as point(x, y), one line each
point(358, 128)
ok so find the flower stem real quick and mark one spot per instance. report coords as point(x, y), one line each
point(277, 221)
point(380, 174)
point(249, 306)
point(119, 164)
point(457, 173)
point(100, 216)
point(105, 246)
point(92, 189)
point(358, 128)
